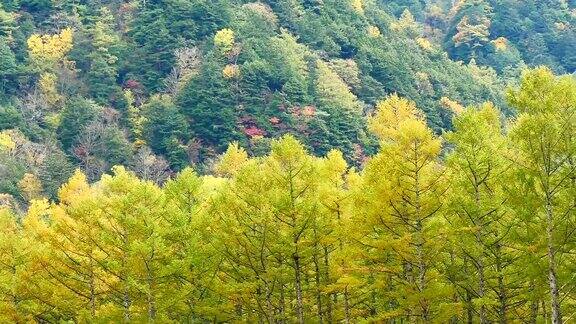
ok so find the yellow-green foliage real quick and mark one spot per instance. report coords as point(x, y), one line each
point(224, 39)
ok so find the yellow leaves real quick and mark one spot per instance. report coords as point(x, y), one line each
point(540, 92)
point(231, 71)
point(335, 163)
point(406, 23)
point(348, 281)
point(37, 216)
point(374, 32)
point(232, 160)
point(358, 6)
point(470, 34)
point(50, 49)
point(47, 83)
point(561, 26)
point(452, 105)
point(46, 52)
point(288, 150)
point(402, 130)
point(390, 113)
point(6, 142)
point(224, 40)
point(103, 32)
point(75, 186)
point(263, 10)
point(424, 44)
point(30, 187)
point(415, 133)
point(135, 117)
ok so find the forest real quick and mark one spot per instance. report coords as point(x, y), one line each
point(287, 161)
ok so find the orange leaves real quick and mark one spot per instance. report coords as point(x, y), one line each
point(231, 71)
point(452, 105)
point(500, 43)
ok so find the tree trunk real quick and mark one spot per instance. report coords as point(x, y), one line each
point(533, 309)
point(469, 308)
point(502, 298)
point(92, 288)
point(422, 274)
point(298, 283)
point(318, 289)
point(552, 280)
point(481, 291)
point(327, 275)
point(126, 303)
point(346, 306)
point(282, 305)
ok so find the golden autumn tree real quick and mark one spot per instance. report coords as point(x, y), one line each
point(46, 53)
point(401, 195)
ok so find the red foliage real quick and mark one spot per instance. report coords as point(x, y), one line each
point(274, 120)
point(254, 131)
point(309, 111)
point(306, 111)
point(132, 84)
point(80, 151)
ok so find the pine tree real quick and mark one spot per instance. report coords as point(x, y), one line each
point(166, 130)
point(209, 104)
point(76, 115)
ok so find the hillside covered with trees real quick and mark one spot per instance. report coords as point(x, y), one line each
point(286, 161)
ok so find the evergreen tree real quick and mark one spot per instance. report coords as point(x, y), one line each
point(166, 130)
point(208, 101)
point(77, 114)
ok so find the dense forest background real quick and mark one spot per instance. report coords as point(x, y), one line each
point(287, 161)
point(93, 84)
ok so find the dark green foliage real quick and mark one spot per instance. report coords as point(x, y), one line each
point(476, 13)
point(209, 103)
point(26, 27)
point(38, 6)
point(8, 68)
point(543, 31)
point(9, 117)
point(176, 153)
point(152, 52)
point(102, 79)
point(77, 114)
point(166, 130)
point(54, 171)
point(336, 128)
point(11, 171)
point(114, 148)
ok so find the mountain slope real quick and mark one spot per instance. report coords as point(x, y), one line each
point(181, 79)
